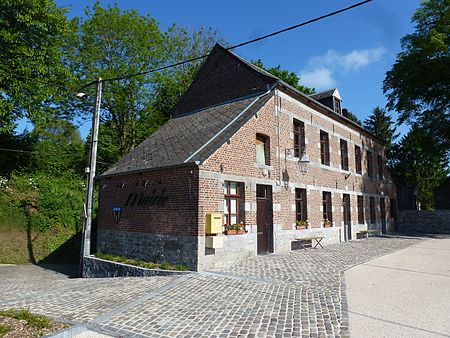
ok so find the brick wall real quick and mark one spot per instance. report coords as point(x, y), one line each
point(159, 217)
point(237, 159)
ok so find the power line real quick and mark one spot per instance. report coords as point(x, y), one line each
point(16, 150)
point(238, 45)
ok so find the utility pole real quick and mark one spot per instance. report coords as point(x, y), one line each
point(90, 172)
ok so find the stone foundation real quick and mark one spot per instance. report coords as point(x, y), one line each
point(99, 268)
point(149, 247)
point(235, 249)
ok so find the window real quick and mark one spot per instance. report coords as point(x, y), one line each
point(262, 149)
point(358, 159)
point(301, 212)
point(369, 164)
point(324, 148)
point(360, 210)
point(326, 206)
point(344, 155)
point(373, 217)
point(380, 167)
point(232, 202)
point(299, 138)
point(337, 105)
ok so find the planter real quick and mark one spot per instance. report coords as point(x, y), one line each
point(327, 225)
point(301, 227)
point(234, 232)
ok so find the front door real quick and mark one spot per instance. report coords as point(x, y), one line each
point(263, 216)
point(393, 209)
point(347, 216)
point(383, 215)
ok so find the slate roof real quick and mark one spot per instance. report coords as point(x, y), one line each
point(323, 95)
point(224, 86)
point(181, 137)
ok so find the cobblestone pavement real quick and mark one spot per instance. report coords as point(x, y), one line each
point(296, 294)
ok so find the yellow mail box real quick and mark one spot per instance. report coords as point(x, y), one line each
point(213, 223)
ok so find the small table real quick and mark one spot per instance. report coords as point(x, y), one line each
point(318, 239)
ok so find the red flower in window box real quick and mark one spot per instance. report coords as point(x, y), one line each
point(235, 229)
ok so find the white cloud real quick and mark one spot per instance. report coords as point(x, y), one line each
point(319, 70)
point(319, 78)
point(352, 61)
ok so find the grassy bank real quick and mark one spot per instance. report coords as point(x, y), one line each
point(40, 218)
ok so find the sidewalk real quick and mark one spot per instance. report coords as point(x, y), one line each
point(403, 294)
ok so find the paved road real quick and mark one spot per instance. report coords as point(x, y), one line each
point(404, 294)
point(297, 294)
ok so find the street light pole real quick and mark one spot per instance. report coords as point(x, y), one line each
point(90, 171)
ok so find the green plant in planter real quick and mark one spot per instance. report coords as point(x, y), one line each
point(326, 222)
point(237, 228)
point(302, 224)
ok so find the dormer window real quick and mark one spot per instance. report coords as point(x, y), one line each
point(337, 105)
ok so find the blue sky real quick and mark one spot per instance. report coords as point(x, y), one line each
point(351, 51)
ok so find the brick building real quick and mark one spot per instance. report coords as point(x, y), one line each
point(246, 145)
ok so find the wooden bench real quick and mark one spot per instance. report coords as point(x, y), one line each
point(365, 233)
point(317, 239)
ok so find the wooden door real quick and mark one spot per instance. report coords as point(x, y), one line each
point(347, 215)
point(263, 207)
point(383, 215)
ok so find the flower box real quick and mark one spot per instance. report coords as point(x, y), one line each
point(301, 227)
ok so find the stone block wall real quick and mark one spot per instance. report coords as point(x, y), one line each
point(99, 268)
point(149, 247)
point(424, 221)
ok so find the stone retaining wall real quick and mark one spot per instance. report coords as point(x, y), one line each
point(424, 221)
point(99, 268)
point(150, 247)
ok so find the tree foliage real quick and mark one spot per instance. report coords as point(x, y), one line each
point(420, 162)
point(110, 43)
point(32, 73)
point(348, 114)
point(380, 124)
point(289, 77)
point(57, 148)
point(418, 84)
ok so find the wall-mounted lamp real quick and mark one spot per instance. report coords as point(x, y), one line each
point(303, 160)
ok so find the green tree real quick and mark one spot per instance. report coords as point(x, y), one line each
point(380, 124)
point(348, 114)
point(420, 162)
point(32, 73)
point(57, 148)
point(285, 75)
point(418, 84)
point(110, 43)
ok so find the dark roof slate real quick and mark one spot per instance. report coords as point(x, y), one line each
point(323, 95)
point(181, 137)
